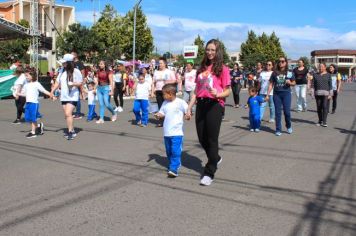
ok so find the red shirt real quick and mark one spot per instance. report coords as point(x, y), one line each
point(103, 77)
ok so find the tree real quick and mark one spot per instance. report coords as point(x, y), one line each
point(198, 41)
point(260, 49)
point(107, 32)
point(167, 55)
point(226, 55)
point(144, 38)
point(80, 39)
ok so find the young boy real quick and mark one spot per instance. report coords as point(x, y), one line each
point(32, 89)
point(142, 90)
point(173, 110)
point(254, 103)
point(91, 101)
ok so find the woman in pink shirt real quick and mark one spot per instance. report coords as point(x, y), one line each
point(212, 87)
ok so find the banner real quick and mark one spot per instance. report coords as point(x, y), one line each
point(7, 79)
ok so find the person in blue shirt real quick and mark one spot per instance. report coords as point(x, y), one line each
point(281, 81)
point(254, 103)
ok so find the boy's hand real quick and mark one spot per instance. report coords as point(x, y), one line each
point(188, 115)
point(158, 116)
point(267, 98)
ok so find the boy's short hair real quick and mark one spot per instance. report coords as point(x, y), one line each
point(91, 83)
point(252, 89)
point(170, 88)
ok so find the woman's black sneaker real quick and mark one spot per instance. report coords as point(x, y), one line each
point(31, 135)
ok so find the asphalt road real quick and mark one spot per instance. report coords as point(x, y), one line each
point(111, 179)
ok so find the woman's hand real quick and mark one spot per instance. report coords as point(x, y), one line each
point(214, 92)
point(188, 115)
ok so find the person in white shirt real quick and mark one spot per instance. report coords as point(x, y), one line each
point(189, 81)
point(18, 93)
point(70, 80)
point(91, 101)
point(148, 77)
point(142, 91)
point(264, 84)
point(173, 111)
point(31, 90)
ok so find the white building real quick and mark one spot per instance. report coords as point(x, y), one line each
point(345, 60)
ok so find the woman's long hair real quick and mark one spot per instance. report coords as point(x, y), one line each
point(217, 62)
point(335, 69)
point(69, 68)
point(278, 68)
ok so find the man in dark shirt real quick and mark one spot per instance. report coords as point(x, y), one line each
point(80, 66)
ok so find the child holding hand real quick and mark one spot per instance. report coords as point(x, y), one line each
point(254, 103)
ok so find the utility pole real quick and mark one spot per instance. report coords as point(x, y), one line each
point(134, 35)
point(34, 34)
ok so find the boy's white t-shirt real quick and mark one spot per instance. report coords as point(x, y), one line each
point(142, 91)
point(73, 93)
point(20, 81)
point(264, 79)
point(174, 113)
point(32, 91)
point(91, 97)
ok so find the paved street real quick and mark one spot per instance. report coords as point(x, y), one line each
point(111, 179)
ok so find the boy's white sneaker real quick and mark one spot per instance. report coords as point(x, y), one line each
point(206, 181)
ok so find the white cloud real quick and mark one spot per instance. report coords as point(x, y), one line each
point(296, 41)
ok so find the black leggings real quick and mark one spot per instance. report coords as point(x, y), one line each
point(20, 103)
point(236, 87)
point(334, 101)
point(322, 104)
point(118, 92)
point(159, 98)
point(208, 121)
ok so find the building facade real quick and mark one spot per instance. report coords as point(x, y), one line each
point(345, 60)
point(60, 15)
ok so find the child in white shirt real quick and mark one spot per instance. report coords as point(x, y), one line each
point(31, 90)
point(142, 91)
point(91, 101)
point(173, 110)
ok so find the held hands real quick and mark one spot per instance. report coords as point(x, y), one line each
point(188, 115)
point(158, 116)
point(329, 97)
point(267, 98)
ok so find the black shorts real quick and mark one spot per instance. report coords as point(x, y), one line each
point(70, 102)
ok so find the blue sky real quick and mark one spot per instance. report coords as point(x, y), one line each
point(301, 25)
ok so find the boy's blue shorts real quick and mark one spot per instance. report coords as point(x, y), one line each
point(31, 112)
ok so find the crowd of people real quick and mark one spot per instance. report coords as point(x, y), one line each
point(204, 88)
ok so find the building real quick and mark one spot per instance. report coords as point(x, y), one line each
point(345, 60)
point(61, 16)
point(235, 57)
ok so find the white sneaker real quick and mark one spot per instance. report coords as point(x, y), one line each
point(100, 121)
point(116, 109)
point(119, 109)
point(206, 180)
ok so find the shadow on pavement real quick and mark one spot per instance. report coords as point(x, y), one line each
point(188, 161)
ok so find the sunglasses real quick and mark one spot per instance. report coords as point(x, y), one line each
point(269, 64)
point(282, 61)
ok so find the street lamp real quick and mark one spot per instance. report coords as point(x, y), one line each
point(134, 35)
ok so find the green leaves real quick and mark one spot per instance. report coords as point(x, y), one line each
point(260, 49)
point(110, 38)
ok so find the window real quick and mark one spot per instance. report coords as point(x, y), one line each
point(327, 60)
point(345, 60)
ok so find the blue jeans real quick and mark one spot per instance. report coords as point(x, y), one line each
point(270, 105)
point(174, 147)
point(255, 121)
point(78, 108)
point(282, 99)
point(104, 100)
point(91, 112)
point(141, 110)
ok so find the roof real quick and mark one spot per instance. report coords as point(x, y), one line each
point(344, 52)
point(7, 4)
point(10, 30)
